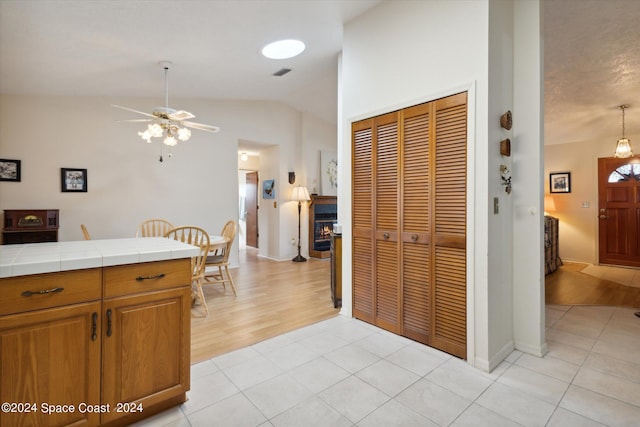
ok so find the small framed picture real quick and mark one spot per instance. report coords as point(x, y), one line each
point(9, 170)
point(560, 182)
point(269, 189)
point(73, 180)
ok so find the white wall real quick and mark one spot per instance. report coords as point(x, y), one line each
point(403, 53)
point(528, 140)
point(126, 183)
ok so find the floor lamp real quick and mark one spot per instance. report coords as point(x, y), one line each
point(299, 194)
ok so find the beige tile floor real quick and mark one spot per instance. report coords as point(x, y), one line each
point(343, 372)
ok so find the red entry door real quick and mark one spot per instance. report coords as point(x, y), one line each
point(619, 211)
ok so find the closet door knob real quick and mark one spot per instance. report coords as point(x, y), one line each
point(414, 237)
point(386, 236)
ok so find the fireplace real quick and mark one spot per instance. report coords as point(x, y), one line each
point(323, 213)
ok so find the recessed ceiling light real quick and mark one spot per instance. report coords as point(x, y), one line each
point(283, 49)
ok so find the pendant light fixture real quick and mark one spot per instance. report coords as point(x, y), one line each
point(623, 148)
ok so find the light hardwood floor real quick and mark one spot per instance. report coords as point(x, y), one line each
point(570, 286)
point(273, 298)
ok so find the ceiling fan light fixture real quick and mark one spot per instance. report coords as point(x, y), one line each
point(155, 130)
point(170, 141)
point(623, 147)
point(283, 49)
point(184, 134)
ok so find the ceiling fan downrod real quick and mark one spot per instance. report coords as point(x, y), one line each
point(166, 65)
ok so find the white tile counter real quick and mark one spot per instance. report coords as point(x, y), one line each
point(36, 258)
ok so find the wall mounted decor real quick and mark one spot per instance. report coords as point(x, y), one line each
point(505, 176)
point(505, 147)
point(269, 189)
point(9, 170)
point(560, 182)
point(329, 173)
point(292, 177)
point(73, 180)
point(506, 121)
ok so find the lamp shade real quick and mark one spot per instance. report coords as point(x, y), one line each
point(300, 194)
point(623, 149)
point(549, 204)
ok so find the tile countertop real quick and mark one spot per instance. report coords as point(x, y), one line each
point(37, 258)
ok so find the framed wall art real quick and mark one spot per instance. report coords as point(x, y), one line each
point(73, 180)
point(560, 182)
point(10, 170)
point(269, 189)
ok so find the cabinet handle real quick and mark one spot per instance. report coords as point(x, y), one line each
point(414, 237)
point(109, 322)
point(157, 276)
point(94, 328)
point(385, 235)
point(46, 291)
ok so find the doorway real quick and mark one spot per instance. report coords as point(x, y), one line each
point(618, 208)
point(248, 208)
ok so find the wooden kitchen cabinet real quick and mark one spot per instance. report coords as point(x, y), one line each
point(50, 357)
point(146, 350)
point(117, 338)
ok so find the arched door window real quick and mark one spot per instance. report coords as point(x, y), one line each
point(628, 172)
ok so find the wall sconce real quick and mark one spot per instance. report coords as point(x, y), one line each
point(506, 121)
point(292, 177)
point(505, 147)
point(505, 175)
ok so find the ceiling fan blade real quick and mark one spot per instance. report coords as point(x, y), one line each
point(200, 126)
point(132, 110)
point(136, 120)
point(180, 115)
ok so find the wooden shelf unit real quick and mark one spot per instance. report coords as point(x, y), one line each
point(30, 226)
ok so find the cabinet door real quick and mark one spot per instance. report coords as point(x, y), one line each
point(146, 349)
point(386, 214)
point(51, 357)
point(449, 317)
point(363, 220)
point(417, 161)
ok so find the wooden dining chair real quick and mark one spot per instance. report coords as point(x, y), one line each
point(153, 228)
point(85, 232)
point(194, 236)
point(218, 261)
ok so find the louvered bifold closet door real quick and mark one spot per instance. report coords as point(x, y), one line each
point(449, 239)
point(362, 218)
point(416, 189)
point(386, 254)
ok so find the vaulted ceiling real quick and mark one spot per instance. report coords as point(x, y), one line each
point(111, 48)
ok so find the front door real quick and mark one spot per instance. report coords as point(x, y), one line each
point(619, 211)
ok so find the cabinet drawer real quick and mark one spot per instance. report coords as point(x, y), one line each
point(38, 291)
point(135, 278)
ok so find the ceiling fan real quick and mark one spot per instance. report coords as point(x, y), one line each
point(167, 122)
